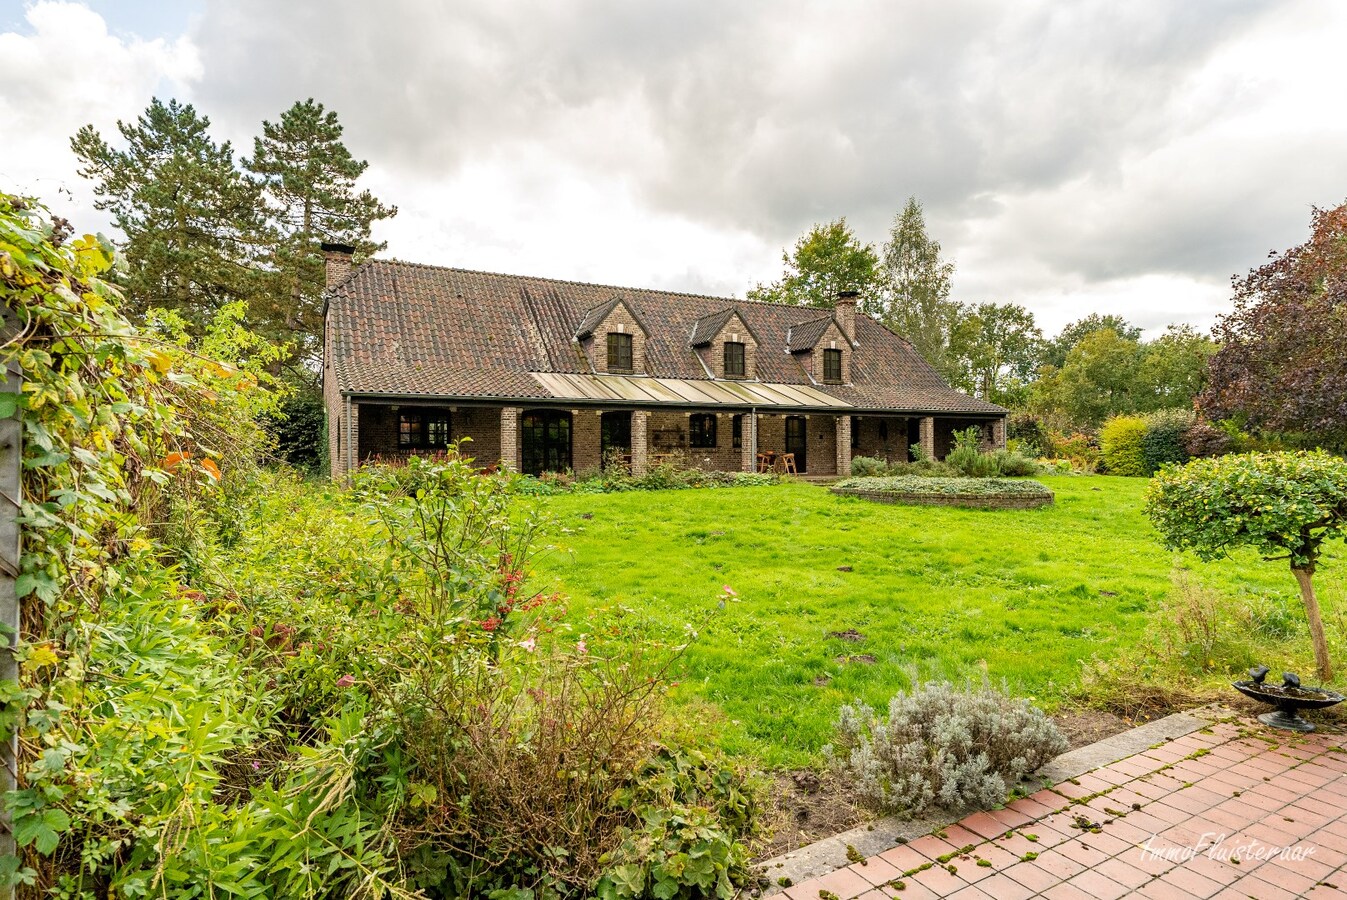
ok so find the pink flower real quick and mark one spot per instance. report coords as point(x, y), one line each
point(529, 644)
point(729, 591)
point(345, 681)
point(581, 646)
point(256, 765)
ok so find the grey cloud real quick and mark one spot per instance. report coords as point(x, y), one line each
point(769, 116)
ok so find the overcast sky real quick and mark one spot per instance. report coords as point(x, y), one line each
point(1071, 156)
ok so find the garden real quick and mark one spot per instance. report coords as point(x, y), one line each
point(444, 681)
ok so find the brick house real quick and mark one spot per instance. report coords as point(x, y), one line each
point(548, 375)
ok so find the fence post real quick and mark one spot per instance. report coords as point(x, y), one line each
point(11, 490)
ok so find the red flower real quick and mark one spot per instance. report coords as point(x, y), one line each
point(490, 623)
point(345, 681)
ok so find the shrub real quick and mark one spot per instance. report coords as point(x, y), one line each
point(1011, 464)
point(1122, 442)
point(1205, 439)
point(868, 466)
point(1029, 431)
point(1164, 441)
point(1283, 505)
point(942, 745)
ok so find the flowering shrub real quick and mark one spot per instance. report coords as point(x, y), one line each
point(230, 685)
point(942, 745)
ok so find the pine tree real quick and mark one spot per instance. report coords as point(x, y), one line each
point(915, 302)
point(192, 222)
point(308, 178)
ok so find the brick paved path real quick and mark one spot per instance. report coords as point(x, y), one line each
point(1236, 790)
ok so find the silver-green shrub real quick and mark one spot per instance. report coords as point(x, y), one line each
point(942, 745)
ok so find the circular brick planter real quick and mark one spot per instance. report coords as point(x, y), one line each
point(975, 501)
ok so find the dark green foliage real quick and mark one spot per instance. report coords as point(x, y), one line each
point(194, 231)
point(1165, 438)
point(915, 302)
point(297, 427)
point(308, 176)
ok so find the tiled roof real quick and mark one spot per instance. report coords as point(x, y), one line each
point(807, 334)
point(405, 329)
point(594, 317)
point(708, 326)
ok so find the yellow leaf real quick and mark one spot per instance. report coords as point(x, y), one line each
point(162, 362)
point(41, 656)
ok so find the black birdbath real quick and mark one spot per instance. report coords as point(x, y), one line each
point(1288, 697)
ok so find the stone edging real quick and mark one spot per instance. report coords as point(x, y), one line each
point(822, 857)
point(977, 501)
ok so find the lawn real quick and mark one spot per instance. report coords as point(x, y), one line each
point(1029, 595)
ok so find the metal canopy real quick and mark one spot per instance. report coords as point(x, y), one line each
point(629, 389)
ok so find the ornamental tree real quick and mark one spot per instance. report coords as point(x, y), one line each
point(1284, 505)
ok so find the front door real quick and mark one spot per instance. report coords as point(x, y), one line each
point(616, 437)
point(795, 441)
point(546, 441)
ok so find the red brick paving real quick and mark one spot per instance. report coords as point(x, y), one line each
point(1236, 783)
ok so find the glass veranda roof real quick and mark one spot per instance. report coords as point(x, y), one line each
point(640, 389)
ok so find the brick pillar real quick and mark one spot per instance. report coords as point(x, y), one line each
point(509, 437)
point(640, 460)
point(927, 436)
point(748, 444)
point(844, 446)
point(999, 434)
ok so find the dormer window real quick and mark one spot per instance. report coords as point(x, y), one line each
point(832, 365)
point(734, 359)
point(619, 352)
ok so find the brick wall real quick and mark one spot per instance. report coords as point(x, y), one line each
point(332, 404)
point(880, 437)
point(509, 436)
point(977, 501)
point(820, 441)
point(945, 428)
point(833, 339)
point(669, 435)
point(586, 441)
point(620, 320)
point(734, 330)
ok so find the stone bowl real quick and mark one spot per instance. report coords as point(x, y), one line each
point(1288, 702)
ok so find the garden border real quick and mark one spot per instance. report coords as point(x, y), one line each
point(838, 851)
point(973, 501)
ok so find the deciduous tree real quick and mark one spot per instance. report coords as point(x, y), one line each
point(827, 259)
point(915, 302)
point(1282, 365)
point(1283, 505)
point(999, 346)
point(1055, 351)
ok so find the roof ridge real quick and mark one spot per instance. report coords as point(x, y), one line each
point(591, 284)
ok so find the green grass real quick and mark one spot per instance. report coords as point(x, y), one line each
point(1029, 594)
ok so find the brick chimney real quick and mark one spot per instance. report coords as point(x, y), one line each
point(845, 312)
point(337, 258)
